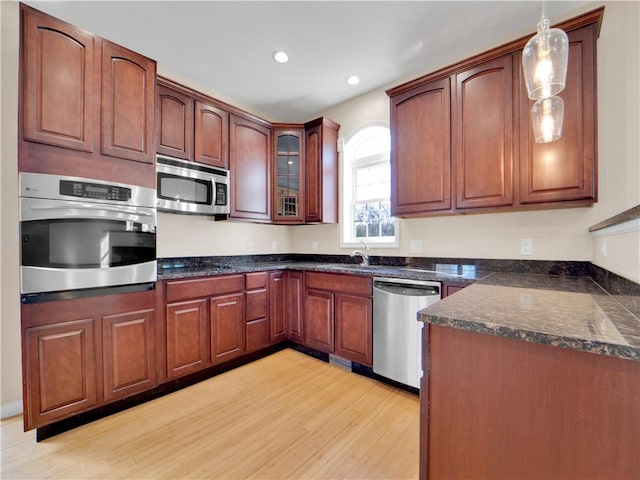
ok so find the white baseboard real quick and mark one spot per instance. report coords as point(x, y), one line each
point(10, 409)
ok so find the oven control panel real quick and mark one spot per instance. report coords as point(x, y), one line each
point(94, 190)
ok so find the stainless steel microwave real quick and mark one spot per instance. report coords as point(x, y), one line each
point(191, 188)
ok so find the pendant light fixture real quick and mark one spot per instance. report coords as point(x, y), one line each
point(544, 63)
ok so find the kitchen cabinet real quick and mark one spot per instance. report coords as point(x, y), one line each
point(277, 307)
point(82, 353)
point(250, 166)
point(187, 346)
point(190, 126)
point(498, 407)
point(294, 294)
point(462, 141)
point(338, 315)
point(321, 171)
point(483, 134)
point(86, 105)
point(450, 289)
point(288, 174)
point(258, 331)
point(421, 149)
point(227, 326)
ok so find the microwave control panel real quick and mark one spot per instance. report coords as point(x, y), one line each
point(94, 191)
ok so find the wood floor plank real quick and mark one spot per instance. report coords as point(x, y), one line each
point(284, 416)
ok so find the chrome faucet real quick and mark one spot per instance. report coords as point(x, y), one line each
point(364, 255)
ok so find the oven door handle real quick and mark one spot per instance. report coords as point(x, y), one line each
point(90, 206)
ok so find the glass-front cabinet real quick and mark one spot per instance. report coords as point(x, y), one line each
point(288, 176)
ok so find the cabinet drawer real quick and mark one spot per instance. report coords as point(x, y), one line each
point(256, 280)
point(352, 284)
point(203, 287)
point(257, 304)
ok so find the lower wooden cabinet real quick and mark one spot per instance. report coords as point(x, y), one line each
point(187, 343)
point(294, 306)
point(227, 327)
point(277, 307)
point(338, 315)
point(82, 353)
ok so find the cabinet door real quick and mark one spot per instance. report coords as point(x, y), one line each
point(59, 83)
point(128, 99)
point(174, 123)
point(257, 315)
point(187, 340)
point(288, 177)
point(211, 134)
point(227, 327)
point(277, 307)
point(484, 135)
point(564, 169)
point(318, 320)
point(61, 371)
point(321, 171)
point(421, 149)
point(354, 340)
point(249, 162)
point(294, 308)
point(128, 353)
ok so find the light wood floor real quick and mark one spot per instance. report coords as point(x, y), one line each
point(285, 416)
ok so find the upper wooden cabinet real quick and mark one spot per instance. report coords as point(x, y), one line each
point(421, 146)
point(288, 174)
point(86, 104)
point(462, 139)
point(250, 165)
point(174, 123)
point(210, 134)
point(321, 171)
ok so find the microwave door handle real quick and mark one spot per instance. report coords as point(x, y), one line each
point(90, 206)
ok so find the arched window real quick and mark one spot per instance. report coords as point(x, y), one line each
point(366, 189)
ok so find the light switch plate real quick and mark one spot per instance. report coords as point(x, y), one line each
point(314, 245)
point(250, 246)
point(526, 246)
point(416, 246)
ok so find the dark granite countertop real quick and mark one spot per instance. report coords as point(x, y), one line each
point(565, 311)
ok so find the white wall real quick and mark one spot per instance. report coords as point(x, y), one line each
point(556, 234)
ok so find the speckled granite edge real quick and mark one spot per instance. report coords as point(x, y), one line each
point(622, 289)
point(612, 350)
point(631, 214)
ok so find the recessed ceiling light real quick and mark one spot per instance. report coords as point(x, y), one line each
point(280, 56)
point(353, 80)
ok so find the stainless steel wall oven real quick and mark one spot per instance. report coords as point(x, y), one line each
point(78, 233)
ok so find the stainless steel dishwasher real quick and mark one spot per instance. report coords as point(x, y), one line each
point(397, 334)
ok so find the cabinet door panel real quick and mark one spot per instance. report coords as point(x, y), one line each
point(313, 186)
point(318, 320)
point(257, 334)
point(61, 370)
point(211, 134)
point(128, 99)
point(257, 304)
point(564, 169)
point(227, 327)
point(128, 354)
point(354, 340)
point(295, 314)
point(484, 135)
point(421, 149)
point(187, 343)
point(174, 123)
point(288, 176)
point(59, 89)
point(277, 307)
point(250, 163)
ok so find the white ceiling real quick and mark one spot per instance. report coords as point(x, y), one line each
point(227, 46)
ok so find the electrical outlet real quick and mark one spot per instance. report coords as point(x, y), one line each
point(250, 246)
point(274, 245)
point(526, 246)
point(416, 246)
point(314, 245)
point(603, 248)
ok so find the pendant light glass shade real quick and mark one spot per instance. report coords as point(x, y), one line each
point(544, 61)
point(547, 117)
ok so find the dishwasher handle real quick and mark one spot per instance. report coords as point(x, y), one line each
point(406, 290)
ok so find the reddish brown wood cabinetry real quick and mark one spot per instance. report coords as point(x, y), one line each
point(338, 316)
point(483, 135)
point(288, 174)
point(250, 165)
point(227, 326)
point(187, 339)
point(277, 306)
point(211, 133)
point(82, 353)
point(469, 160)
point(421, 163)
point(294, 295)
point(321, 171)
point(87, 105)
point(258, 332)
point(174, 119)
